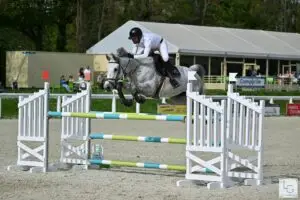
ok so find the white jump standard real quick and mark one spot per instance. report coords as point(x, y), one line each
point(223, 129)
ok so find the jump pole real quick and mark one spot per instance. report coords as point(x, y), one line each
point(156, 139)
point(128, 116)
point(145, 165)
point(138, 164)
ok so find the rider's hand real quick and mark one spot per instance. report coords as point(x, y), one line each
point(130, 55)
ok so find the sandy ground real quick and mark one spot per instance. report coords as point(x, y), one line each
point(282, 159)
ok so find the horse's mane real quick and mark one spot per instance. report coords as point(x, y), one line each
point(121, 52)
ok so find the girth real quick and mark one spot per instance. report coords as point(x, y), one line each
point(156, 94)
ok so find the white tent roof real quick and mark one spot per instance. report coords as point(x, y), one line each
point(210, 41)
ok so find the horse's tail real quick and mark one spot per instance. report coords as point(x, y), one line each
point(199, 69)
point(201, 72)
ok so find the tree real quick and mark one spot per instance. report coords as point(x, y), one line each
point(62, 13)
point(29, 17)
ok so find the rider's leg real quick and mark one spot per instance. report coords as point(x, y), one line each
point(171, 72)
point(163, 49)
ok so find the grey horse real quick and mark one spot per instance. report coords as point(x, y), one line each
point(144, 80)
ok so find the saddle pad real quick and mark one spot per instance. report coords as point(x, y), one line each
point(146, 61)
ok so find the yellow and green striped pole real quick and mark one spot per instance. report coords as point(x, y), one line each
point(144, 165)
point(102, 136)
point(128, 116)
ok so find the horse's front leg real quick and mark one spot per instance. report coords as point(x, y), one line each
point(139, 98)
point(123, 100)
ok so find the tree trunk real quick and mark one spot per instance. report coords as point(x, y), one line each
point(35, 36)
point(38, 40)
point(61, 40)
point(148, 10)
point(204, 10)
point(101, 16)
point(79, 24)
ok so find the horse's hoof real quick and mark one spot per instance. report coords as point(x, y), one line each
point(140, 99)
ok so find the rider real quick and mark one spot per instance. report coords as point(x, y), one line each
point(145, 43)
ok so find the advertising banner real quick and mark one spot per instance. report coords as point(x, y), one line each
point(272, 110)
point(171, 109)
point(293, 109)
point(251, 82)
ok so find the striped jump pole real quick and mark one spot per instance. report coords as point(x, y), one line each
point(102, 136)
point(128, 116)
point(155, 139)
point(144, 165)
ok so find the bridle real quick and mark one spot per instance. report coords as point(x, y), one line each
point(117, 80)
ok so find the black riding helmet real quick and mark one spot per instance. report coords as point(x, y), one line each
point(135, 32)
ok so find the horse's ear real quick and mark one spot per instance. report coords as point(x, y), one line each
point(108, 57)
point(116, 58)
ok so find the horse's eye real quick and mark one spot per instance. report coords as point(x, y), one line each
point(115, 69)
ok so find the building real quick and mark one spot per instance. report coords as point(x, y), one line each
point(28, 67)
point(220, 50)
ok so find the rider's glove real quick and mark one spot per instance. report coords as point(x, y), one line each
point(130, 55)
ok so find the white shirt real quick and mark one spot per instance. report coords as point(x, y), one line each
point(87, 74)
point(149, 41)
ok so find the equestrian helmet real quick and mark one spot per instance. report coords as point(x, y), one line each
point(135, 32)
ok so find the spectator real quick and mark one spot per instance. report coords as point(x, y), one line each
point(71, 82)
point(100, 80)
point(81, 74)
point(87, 74)
point(64, 83)
point(14, 85)
point(71, 79)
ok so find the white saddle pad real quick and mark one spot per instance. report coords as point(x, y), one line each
point(146, 61)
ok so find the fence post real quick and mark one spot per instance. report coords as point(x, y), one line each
point(114, 102)
point(58, 104)
point(137, 108)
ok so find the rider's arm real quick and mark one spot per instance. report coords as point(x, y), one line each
point(137, 50)
point(146, 50)
point(134, 49)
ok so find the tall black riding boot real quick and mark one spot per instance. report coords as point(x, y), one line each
point(172, 73)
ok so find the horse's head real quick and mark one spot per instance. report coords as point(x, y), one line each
point(117, 69)
point(114, 72)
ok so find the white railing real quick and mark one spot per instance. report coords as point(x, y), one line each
point(114, 96)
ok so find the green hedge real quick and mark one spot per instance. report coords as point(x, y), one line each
point(256, 93)
point(10, 110)
point(10, 107)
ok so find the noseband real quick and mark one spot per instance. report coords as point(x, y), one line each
point(120, 68)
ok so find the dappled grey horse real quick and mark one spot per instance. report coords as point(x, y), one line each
point(145, 81)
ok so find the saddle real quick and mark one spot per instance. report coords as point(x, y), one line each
point(165, 69)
